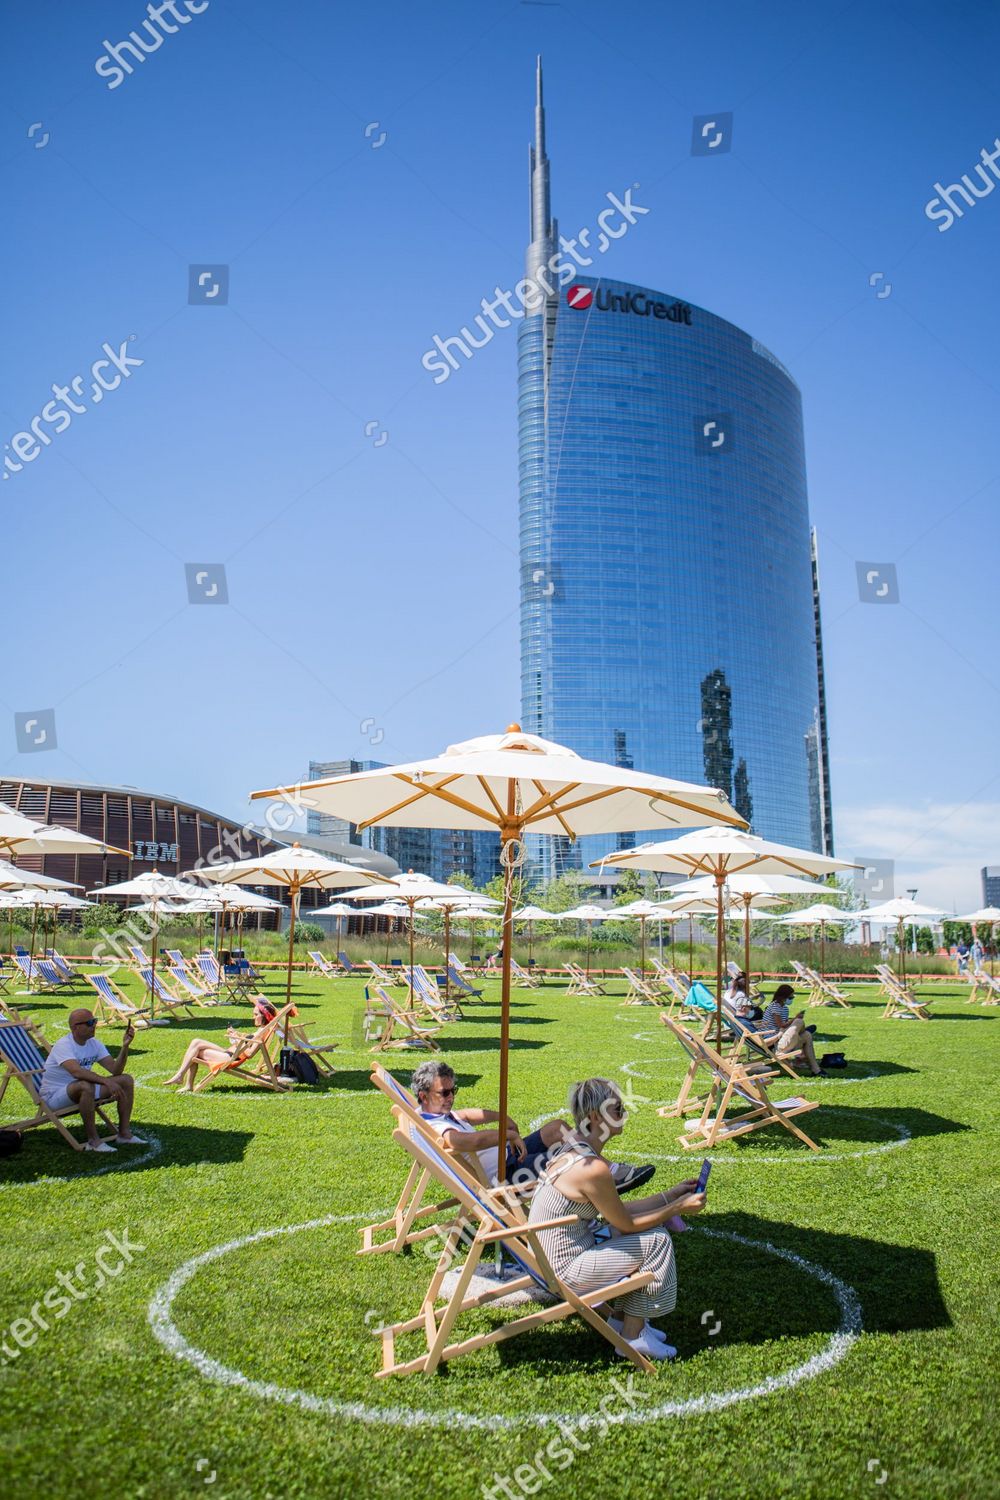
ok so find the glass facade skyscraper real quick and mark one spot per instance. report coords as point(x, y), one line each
point(667, 600)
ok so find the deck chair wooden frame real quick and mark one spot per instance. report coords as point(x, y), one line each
point(20, 1051)
point(322, 965)
point(427, 993)
point(385, 977)
point(164, 997)
point(749, 1046)
point(734, 1086)
point(523, 978)
point(114, 1006)
point(190, 986)
point(639, 992)
point(254, 1064)
point(458, 981)
point(580, 982)
point(415, 1032)
point(489, 1220)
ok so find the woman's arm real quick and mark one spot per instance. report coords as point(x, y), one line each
point(592, 1182)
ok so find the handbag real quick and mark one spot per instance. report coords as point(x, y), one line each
point(297, 1065)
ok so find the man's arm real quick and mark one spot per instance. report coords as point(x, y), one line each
point(116, 1065)
point(81, 1074)
point(483, 1117)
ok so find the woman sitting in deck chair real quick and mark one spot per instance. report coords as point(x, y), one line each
point(794, 1037)
point(578, 1181)
point(738, 997)
point(212, 1055)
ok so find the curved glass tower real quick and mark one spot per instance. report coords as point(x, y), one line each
point(667, 603)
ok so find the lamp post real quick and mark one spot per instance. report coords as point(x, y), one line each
point(913, 896)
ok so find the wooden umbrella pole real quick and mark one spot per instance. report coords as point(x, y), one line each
point(447, 950)
point(691, 947)
point(720, 880)
point(293, 891)
point(508, 845)
point(642, 947)
point(412, 904)
point(822, 950)
point(746, 941)
point(901, 939)
point(590, 932)
point(31, 958)
point(152, 972)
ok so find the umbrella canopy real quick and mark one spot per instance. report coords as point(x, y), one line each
point(411, 888)
point(13, 878)
point(820, 912)
point(986, 916)
point(534, 914)
point(295, 868)
point(23, 835)
point(722, 853)
point(642, 910)
point(514, 783)
point(161, 894)
point(901, 910)
point(459, 902)
point(746, 890)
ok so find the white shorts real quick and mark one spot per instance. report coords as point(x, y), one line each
point(59, 1098)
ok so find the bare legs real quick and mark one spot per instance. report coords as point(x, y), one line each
point(199, 1054)
point(119, 1091)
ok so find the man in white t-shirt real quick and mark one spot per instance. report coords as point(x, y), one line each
point(69, 1078)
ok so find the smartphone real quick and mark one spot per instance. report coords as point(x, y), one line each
point(706, 1167)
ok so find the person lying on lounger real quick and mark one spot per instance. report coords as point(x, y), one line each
point(69, 1078)
point(202, 1054)
point(795, 1039)
point(577, 1181)
point(433, 1084)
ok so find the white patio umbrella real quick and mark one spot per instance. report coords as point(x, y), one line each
point(159, 893)
point(409, 888)
point(642, 911)
point(36, 899)
point(230, 898)
point(989, 915)
point(722, 853)
point(295, 868)
point(903, 911)
point(20, 834)
point(13, 877)
point(531, 915)
point(514, 783)
point(458, 903)
point(340, 910)
point(746, 891)
point(819, 914)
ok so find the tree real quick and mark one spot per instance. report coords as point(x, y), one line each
point(458, 877)
point(628, 888)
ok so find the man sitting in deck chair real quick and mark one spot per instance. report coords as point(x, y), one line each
point(794, 1038)
point(69, 1078)
point(433, 1085)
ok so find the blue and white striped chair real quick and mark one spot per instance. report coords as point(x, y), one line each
point(25, 1063)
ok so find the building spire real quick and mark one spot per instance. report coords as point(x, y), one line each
point(544, 231)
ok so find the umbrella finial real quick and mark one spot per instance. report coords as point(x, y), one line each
point(513, 729)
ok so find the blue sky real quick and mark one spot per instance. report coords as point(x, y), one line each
point(373, 582)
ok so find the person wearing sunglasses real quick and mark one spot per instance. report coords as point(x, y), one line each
point(577, 1181)
point(69, 1079)
point(469, 1130)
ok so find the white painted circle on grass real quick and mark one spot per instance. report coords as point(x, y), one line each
point(128, 1158)
point(166, 1331)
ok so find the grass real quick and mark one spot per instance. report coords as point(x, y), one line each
point(98, 1402)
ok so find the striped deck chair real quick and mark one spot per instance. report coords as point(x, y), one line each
point(252, 1061)
point(890, 983)
point(426, 995)
point(580, 982)
point(747, 1045)
point(458, 981)
point(24, 1060)
point(322, 965)
point(165, 998)
point(139, 958)
point(486, 1218)
point(29, 970)
point(383, 976)
point(49, 974)
point(186, 984)
point(523, 978)
point(114, 1007)
point(61, 966)
point(301, 1042)
point(737, 1102)
point(209, 970)
point(393, 1027)
point(456, 963)
point(640, 991)
point(346, 965)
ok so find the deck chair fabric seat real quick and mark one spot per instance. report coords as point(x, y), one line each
point(458, 981)
point(115, 1008)
point(394, 1027)
point(321, 964)
point(164, 997)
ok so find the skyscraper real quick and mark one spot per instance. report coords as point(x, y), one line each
point(668, 609)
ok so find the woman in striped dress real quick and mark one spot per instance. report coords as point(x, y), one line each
point(577, 1180)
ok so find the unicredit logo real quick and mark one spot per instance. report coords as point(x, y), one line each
point(583, 297)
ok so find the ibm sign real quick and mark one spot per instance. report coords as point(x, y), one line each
point(149, 849)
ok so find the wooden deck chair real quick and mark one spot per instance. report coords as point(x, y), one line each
point(737, 1102)
point(426, 996)
point(903, 1005)
point(253, 1062)
point(22, 1017)
point(346, 965)
point(456, 963)
point(979, 981)
point(50, 976)
point(165, 998)
point(114, 1007)
point(395, 1029)
point(186, 984)
point(522, 978)
point(298, 1039)
point(580, 983)
point(749, 1046)
point(640, 991)
point(322, 965)
point(29, 971)
point(890, 984)
point(209, 970)
point(24, 1060)
point(834, 995)
point(992, 989)
point(487, 1219)
point(140, 960)
point(407, 1225)
point(385, 976)
point(61, 966)
point(458, 981)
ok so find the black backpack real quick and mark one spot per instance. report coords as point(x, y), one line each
point(833, 1060)
point(11, 1142)
point(298, 1065)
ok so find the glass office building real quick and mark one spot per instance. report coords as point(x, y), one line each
point(668, 615)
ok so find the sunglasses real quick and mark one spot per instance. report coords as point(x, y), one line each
point(448, 1093)
point(91, 1022)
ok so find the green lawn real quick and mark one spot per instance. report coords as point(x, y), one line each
point(896, 1217)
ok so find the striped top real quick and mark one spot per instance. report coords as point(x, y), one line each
point(563, 1244)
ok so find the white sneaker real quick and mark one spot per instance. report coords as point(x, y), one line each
point(100, 1146)
point(648, 1332)
point(130, 1140)
point(650, 1347)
